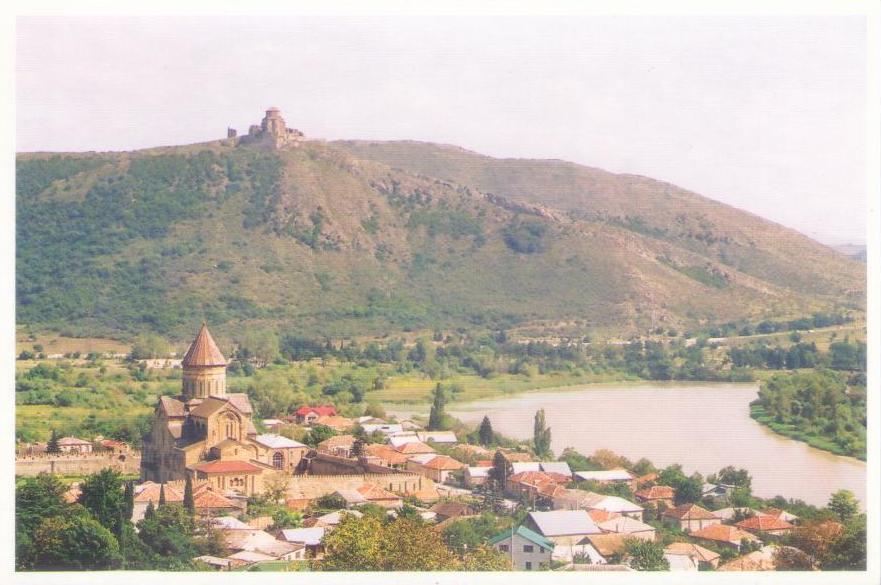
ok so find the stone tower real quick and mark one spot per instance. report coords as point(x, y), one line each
point(273, 123)
point(204, 368)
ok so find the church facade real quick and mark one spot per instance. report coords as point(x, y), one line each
point(208, 434)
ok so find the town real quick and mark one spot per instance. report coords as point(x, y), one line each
point(260, 500)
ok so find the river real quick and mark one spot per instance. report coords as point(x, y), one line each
point(704, 427)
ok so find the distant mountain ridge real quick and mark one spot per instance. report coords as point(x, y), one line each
point(351, 238)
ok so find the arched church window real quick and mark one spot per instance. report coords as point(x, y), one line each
point(278, 460)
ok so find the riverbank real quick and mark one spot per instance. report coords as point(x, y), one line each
point(757, 413)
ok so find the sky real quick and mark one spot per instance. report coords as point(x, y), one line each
point(765, 113)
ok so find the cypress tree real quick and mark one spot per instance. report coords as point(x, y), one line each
point(129, 500)
point(437, 415)
point(150, 512)
point(541, 435)
point(189, 501)
point(485, 433)
point(161, 495)
point(52, 445)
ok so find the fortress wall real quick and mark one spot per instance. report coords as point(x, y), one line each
point(129, 463)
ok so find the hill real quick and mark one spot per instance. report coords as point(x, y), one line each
point(354, 238)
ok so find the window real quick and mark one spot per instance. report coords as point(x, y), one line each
point(503, 547)
point(528, 548)
point(278, 460)
point(528, 566)
point(541, 549)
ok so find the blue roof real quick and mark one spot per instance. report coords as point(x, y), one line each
point(526, 533)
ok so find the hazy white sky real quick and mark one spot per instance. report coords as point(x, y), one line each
point(764, 113)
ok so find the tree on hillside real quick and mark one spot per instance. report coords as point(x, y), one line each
point(689, 490)
point(150, 511)
point(437, 416)
point(541, 435)
point(485, 432)
point(162, 495)
point(318, 434)
point(844, 504)
point(149, 345)
point(52, 445)
point(102, 494)
point(36, 498)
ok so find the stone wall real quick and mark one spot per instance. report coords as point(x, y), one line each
point(129, 463)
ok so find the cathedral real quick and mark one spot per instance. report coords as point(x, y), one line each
point(209, 435)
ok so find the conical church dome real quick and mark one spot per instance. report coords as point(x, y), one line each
point(203, 351)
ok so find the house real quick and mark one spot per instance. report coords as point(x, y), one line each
point(208, 502)
point(608, 476)
point(310, 538)
point(533, 485)
point(340, 445)
point(655, 495)
point(409, 425)
point(373, 494)
point(581, 553)
point(696, 555)
point(528, 550)
point(602, 515)
point(385, 428)
point(475, 476)
point(273, 425)
point(729, 514)
point(331, 519)
point(451, 509)
point(412, 448)
point(385, 455)
point(723, 535)
point(307, 415)
point(280, 452)
point(340, 424)
point(759, 560)
point(574, 499)
point(260, 541)
point(689, 517)
point(216, 563)
point(562, 526)
point(440, 437)
point(73, 445)
point(438, 468)
point(235, 475)
point(628, 526)
point(781, 514)
point(558, 467)
point(112, 446)
point(766, 524)
point(718, 493)
point(608, 546)
point(229, 523)
point(518, 467)
point(149, 492)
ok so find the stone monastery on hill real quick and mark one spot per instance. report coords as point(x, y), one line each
point(208, 434)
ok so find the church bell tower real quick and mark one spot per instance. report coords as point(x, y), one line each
point(204, 368)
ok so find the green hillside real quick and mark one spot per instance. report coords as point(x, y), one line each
point(327, 240)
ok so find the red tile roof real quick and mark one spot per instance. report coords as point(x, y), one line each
point(764, 524)
point(689, 512)
point(326, 410)
point(227, 467)
point(208, 499)
point(150, 493)
point(374, 492)
point(723, 533)
point(656, 492)
point(444, 463)
point(415, 448)
point(203, 351)
point(602, 515)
